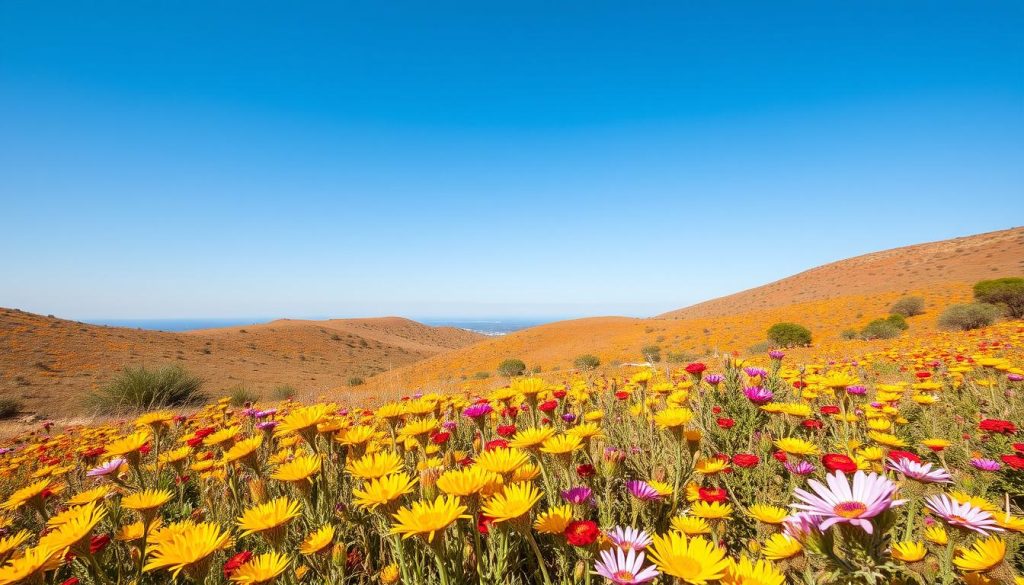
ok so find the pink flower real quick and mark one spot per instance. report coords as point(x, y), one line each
point(921, 472)
point(962, 515)
point(641, 490)
point(624, 568)
point(629, 538)
point(841, 503)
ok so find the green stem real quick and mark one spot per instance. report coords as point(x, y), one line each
point(540, 557)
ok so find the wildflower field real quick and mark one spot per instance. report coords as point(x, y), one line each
point(904, 465)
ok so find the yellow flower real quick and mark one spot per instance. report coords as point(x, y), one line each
point(983, 556)
point(30, 566)
point(711, 510)
point(428, 518)
point(129, 445)
point(302, 420)
point(261, 569)
point(781, 546)
point(375, 465)
point(466, 481)
point(886, 439)
point(909, 551)
point(936, 535)
point(691, 525)
point(502, 460)
point(562, 444)
point(187, 547)
point(531, 437)
point(244, 450)
point(664, 490)
point(711, 466)
point(146, 500)
point(13, 541)
point(936, 444)
point(26, 494)
point(528, 472)
point(87, 496)
point(586, 431)
point(795, 446)
point(768, 514)
point(76, 528)
point(269, 516)
point(695, 560)
point(221, 436)
point(418, 428)
point(317, 541)
point(136, 530)
point(298, 469)
point(746, 572)
point(390, 574)
point(1011, 523)
point(554, 520)
point(673, 418)
point(512, 502)
point(384, 490)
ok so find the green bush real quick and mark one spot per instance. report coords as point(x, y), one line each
point(680, 357)
point(240, 396)
point(789, 334)
point(586, 362)
point(908, 306)
point(651, 353)
point(969, 316)
point(512, 367)
point(139, 388)
point(899, 321)
point(1005, 292)
point(849, 334)
point(9, 407)
point(880, 329)
point(482, 375)
point(283, 392)
point(356, 381)
point(759, 347)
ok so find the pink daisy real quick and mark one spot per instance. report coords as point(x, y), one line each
point(629, 538)
point(962, 515)
point(921, 472)
point(624, 569)
point(839, 502)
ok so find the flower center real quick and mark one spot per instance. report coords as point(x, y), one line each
point(688, 568)
point(623, 577)
point(849, 509)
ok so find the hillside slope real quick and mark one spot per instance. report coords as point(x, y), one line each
point(828, 299)
point(49, 363)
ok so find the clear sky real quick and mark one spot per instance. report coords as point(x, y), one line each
point(186, 159)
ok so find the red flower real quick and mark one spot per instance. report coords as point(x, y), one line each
point(780, 456)
point(1019, 447)
point(232, 564)
point(812, 424)
point(559, 394)
point(799, 384)
point(483, 523)
point(994, 425)
point(898, 455)
point(725, 423)
point(495, 444)
point(581, 532)
point(145, 449)
point(696, 368)
point(716, 409)
point(839, 462)
point(204, 432)
point(586, 470)
point(1014, 461)
point(510, 411)
point(923, 375)
point(506, 430)
point(93, 453)
point(440, 438)
point(829, 409)
point(712, 494)
point(621, 395)
point(98, 543)
point(194, 442)
point(745, 460)
point(71, 581)
point(548, 405)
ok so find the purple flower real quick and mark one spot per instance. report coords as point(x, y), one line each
point(841, 503)
point(856, 390)
point(449, 425)
point(477, 410)
point(986, 464)
point(642, 491)
point(249, 412)
point(5, 450)
point(921, 472)
point(755, 372)
point(266, 413)
point(801, 524)
point(758, 394)
point(801, 467)
point(624, 568)
point(629, 538)
point(1014, 377)
point(267, 425)
point(106, 468)
point(714, 379)
point(568, 417)
point(578, 495)
point(776, 355)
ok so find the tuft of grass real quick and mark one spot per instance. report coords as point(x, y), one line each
point(283, 392)
point(9, 408)
point(356, 381)
point(241, 395)
point(908, 306)
point(139, 388)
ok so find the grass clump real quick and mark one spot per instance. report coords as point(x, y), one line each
point(789, 334)
point(651, 353)
point(283, 392)
point(881, 329)
point(586, 362)
point(140, 388)
point(969, 316)
point(9, 408)
point(908, 306)
point(241, 395)
point(481, 375)
point(356, 381)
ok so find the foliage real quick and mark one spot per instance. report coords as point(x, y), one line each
point(511, 368)
point(849, 334)
point(356, 381)
point(1004, 292)
point(482, 375)
point(789, 335)
point(139, 388)
point(908, 306)
point(969, 316)
point(9, 407)
point(241, 395)
point(283, 392)
point(651, 353)
point(880, 329)
point(586, 362)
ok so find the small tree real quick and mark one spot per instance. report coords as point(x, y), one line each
point(969, 316)
point(512, 367)
point(586, 362)
point(1005, 292)
point(880, 329)
point(789, 334)
point(908, 306)
point(651, 353)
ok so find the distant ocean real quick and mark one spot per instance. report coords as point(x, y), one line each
point(484, 326)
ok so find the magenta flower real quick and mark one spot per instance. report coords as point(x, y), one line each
point(841, 503)
point(921, 472)
point(801, 524)
point(106, 468)
point(714, 379)
point(755, 372)
point(962, 515)
point(477, 410)
point(629, 538)
point(986, 464)
point(642, 491)
point(856, 390)
point(776, 355)
point(802, 467)
point(624, 568)
point(267, 425)
point(578, 495)
point(1014, 377)
point(758, 395)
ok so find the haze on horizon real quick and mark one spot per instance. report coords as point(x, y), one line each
point(458, 160)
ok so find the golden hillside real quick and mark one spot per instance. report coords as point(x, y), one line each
point(49, 364)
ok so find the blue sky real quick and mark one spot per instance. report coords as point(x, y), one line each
point(186, 159)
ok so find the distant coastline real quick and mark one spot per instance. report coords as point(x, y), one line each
point(485, 326)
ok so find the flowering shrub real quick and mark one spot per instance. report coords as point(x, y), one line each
point(717, 472)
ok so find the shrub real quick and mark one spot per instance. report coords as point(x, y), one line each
point(680, 357)
point(9, 407)
point(789, 334)
point(512, 367)
point(908, 306)
point(969, 316)
point(586, 362)
point(880, 329)
point(240, 396)
point(651, 353)
point(356, 381)
point(899, 321)
point(849, 334)
point(1005, 292)
point(283, 392)
point(759, 347)
point(482, 375)
point(138, 388)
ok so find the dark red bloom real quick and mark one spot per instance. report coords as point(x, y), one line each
point(838, 462)
point(204, 432)
point(559, 394)
point(93, 453)
point(71, 581)
point(621, 395)
point(581, 532)
point(194, 442)
point(547, 405)
point(745, 460)
point(483, 523)
point(1014, 461)
point(898, 455)
point(716, 409)
point(506, 430)
point(585, 470)
point(496, 444)
point(812, 424)
point(725, 423)
point(923, 375)
point(799, 384)
point(696, 368)
point(440, 438)
point(780, 456)
point(98, 543)
point(713, 494)
point(1018, 447)
point(994, 425)
point(829, 409)
point(231, 565)
point(145, 449)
